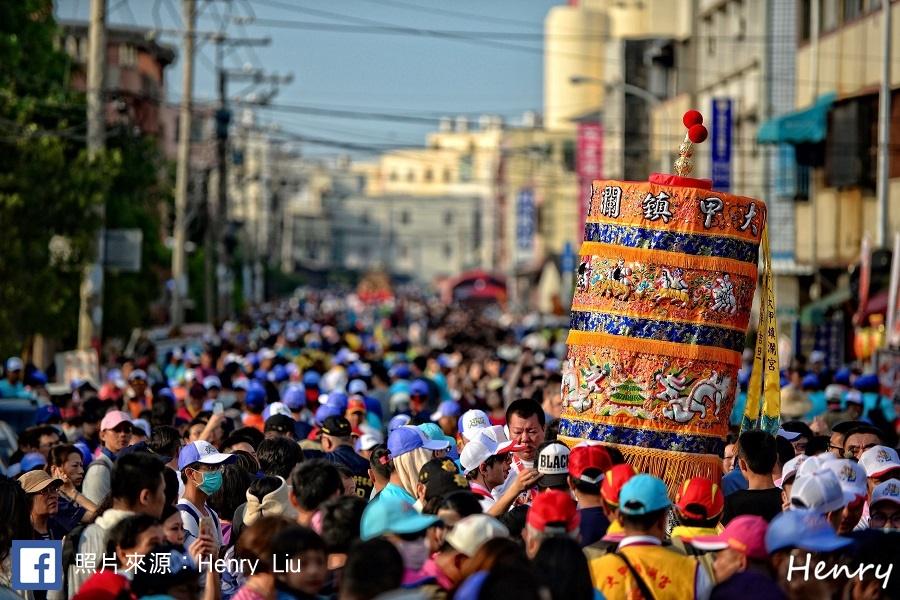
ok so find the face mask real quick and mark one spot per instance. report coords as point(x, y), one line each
point(414, 553)
point(212, 482)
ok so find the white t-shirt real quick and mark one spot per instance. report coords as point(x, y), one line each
point(190, 521)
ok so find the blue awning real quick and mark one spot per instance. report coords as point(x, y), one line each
point(807, 126)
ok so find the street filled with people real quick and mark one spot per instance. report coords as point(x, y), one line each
point(323, 447)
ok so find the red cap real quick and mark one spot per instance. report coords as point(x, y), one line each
point(104, 585)
point(585, 458)
point(553, 509)
point(700, 498)
point(613, 480)
point(355, 405)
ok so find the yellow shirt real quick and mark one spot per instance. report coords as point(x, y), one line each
point(668, 575)
point(687, 532)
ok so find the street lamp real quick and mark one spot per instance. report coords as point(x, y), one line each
point(651, 99)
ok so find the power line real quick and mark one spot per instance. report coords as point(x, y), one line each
point(452, 13)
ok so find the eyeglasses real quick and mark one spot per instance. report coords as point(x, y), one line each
point(878, 519)
point(48, 491)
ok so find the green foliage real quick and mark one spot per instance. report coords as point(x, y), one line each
point(49, 190)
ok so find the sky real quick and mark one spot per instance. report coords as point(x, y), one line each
point(422, 58)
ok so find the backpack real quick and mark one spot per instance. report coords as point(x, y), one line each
point(71, 542)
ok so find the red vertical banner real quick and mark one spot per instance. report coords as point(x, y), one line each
point(589, 164)
point(865, 278)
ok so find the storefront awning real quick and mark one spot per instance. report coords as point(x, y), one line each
point(807, 126)
point(814, 312)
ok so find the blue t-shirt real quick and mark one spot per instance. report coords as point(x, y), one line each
point(593, 525)
point(392, 490)
point(734, 481)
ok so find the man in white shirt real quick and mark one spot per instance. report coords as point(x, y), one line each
point(486, 461)
point(525, 421)
point(201, 465)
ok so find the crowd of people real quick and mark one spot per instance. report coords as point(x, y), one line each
point(323, 448)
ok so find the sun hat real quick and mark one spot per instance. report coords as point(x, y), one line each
point(392, 515)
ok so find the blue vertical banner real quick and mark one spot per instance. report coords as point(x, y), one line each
point(721, 144)
point(526, 225)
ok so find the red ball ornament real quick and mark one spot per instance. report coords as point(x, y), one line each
point(697, 134)
point(691, 118)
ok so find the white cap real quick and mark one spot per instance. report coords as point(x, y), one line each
point(367, 441)
point(241, 383)
point(851, 475)
point(790, 468)
point(878, 460)
point(834, 392)
point(137, 374)
point(814, 463)
point(357, 386)
point(788, 435)
point(886, 491)
point(277, 408)
point(267, 354)
point(553, 464)
point(854, 397)
point(143, 425)
point(14, 364)
point(212, 382)
point(472, 532)
point(820, 492)
point(471, 421)
point(491, 441)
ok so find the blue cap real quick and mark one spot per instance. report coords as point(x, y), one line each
point(338, 399)
point(643, 494)
point(166, 393)
point(433, 432)
point(280, 373)
point(32, 460)
point(311, 379)
point(842, 376)
point(36, 378)
point(86, 455)
point(408, 438)
point(202, 452)
point(810, 382)
point(393, 515)
point(294, 397)
point(418, 387)
point(353, 370)
point(373, 406)
point(397, 422)
point(867, 383)
point(471, 587)
point(400, 371)
point(45, 413)
point(448, 408)
point(804, 529)
point(255, 397)
point(327, 410)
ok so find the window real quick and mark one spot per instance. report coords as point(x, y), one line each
point(710, 35)
point(410, 176)
point(830, 15)
point(127, 55)
point(393, 176)
point(570, 152)
point(447, 175)
point(448, 251)
point(405, 218)
point(365, 219)
point(852, 9)
point(429, 175)
point(804, 19)
point(448, 218)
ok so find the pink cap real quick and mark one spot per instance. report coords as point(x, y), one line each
point(746, 534)
point(113, 419)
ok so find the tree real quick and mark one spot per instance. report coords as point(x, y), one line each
point(49, 189)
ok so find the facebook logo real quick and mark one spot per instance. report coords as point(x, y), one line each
point(37, 564)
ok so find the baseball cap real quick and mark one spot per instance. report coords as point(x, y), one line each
point(788, 435)
point(820, 492)
point(113, 419)
point(879, 460)
point(472, 532)
point(418, 388)
point(336, 426)
point(588, 463)
point(294, 397)
point(367, 441)
point(35, 481)
point(400, 371)
point(886, 491)
point(553, 464)
point(311, 379)
point(143, 425)
point(804, 529)
point(448, 408)
point(491, 441)
point(327, 410)
point(204, 453)
point(277, 408)
point(643, 494)
point(211, 382)
point(104, 585)
point(441, 477)
point(553, 511)
point(356, 405)
point(471, 421)
point(433, 432)
point(280, 424)
point(256, 396)
point(613, 480)
point(851, 475)
point(813, 464)
point(408, 438)
point(399, 401)
point(397, 422)
point(854, 397)
point(834, 392)
point(744, 533)
point(790, 468)
point(46, 413)
point(392, 515)
point(32, 460)
point(14, 363)
point(357, 386)
point(137, 374)
point(700, 498)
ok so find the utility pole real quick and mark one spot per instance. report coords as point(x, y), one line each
point(182, 174)
point(884, 134)
point(90, 312)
